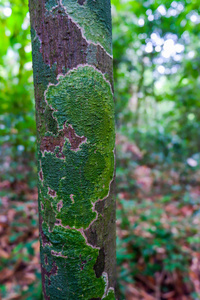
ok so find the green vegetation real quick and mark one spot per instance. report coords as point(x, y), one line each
point(94, 156)
point(65, 247)
point(156, 49)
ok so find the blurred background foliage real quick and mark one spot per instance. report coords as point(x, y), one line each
point(156, 47)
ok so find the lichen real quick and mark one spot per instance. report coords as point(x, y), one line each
point(96, 14)
point(85, 174)
point(72, 181)
point(74, 278)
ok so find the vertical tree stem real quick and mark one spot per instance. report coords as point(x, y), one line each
point(72, 64)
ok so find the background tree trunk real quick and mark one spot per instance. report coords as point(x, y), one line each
point(72, 64)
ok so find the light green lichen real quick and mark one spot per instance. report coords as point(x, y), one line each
point(84, 100)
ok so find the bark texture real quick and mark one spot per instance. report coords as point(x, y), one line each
point(72, 64)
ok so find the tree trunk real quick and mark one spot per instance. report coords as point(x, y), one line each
point(72, 64)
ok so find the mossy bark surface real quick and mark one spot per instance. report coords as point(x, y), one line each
point(72, 65)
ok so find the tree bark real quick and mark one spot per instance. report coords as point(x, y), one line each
point(72, 66)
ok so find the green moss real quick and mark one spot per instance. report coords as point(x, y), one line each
point(93, 17)
point(110, 295)
point(65, 178)
point(73, 277)
point(84, 100)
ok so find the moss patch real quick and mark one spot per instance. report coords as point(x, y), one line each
point(74, 277)
point(82, 99)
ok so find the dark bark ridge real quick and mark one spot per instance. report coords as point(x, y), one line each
point(75, 126)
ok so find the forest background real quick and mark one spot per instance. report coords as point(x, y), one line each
point(156, 47)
